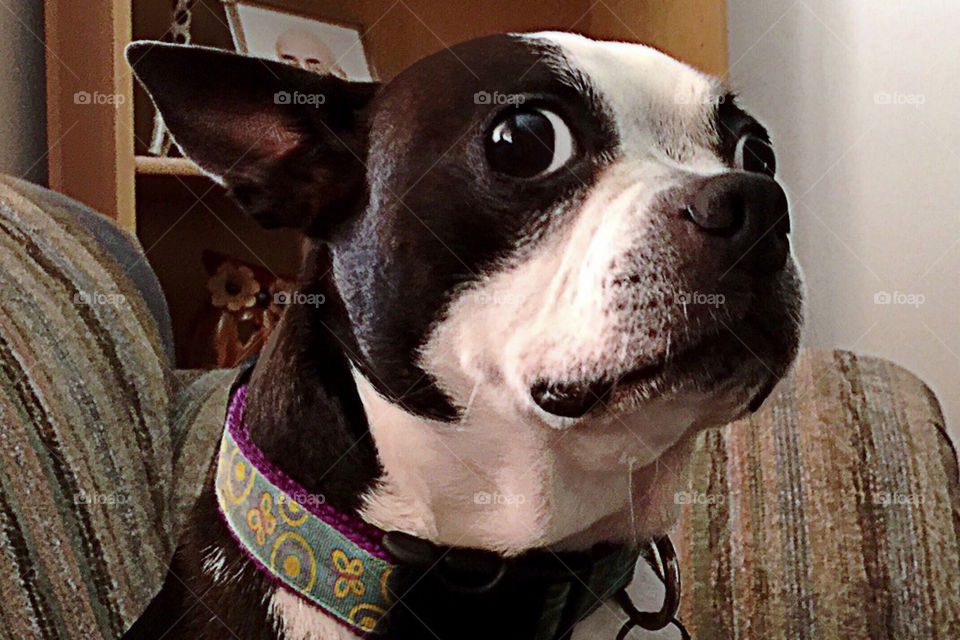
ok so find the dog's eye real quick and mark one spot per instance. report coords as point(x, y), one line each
point(755, 154)
point(528, 143)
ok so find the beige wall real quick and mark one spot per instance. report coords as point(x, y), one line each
point(22, 94)
point(862, 101)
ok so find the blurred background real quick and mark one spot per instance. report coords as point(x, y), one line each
point(860, 97)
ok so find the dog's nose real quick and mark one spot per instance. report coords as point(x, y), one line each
point(747, 214)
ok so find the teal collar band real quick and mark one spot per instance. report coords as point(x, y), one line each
point(328, 558)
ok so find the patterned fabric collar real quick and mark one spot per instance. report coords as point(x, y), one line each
point(329, 558)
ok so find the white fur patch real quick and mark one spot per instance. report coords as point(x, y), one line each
point(511, 484)
point(299, 620)
point(213, 563)
point(660, 104)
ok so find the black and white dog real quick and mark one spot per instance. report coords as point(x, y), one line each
point(548, 262)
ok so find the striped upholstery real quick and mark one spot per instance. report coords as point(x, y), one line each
point(85, 446)
point(836, 513)
point(200, 404)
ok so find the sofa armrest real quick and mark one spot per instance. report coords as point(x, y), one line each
point(85, 448)
point(833, 512)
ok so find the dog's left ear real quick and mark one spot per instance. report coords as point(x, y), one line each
point(289, 144)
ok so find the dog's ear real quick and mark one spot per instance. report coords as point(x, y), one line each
point(289, 144)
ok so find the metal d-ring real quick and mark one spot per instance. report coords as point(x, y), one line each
point(664, 563)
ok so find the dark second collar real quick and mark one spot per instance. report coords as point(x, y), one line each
point(390, 584)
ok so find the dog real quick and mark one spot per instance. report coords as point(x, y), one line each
point(546, 263)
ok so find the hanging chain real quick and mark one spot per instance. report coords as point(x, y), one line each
point(179, 33)
point(182, 17)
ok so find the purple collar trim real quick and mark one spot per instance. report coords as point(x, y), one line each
point(361, 533)
point(333, 560)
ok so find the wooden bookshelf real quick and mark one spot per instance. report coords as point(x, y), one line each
point(90, 104)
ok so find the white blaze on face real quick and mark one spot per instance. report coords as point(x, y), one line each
point(660, 105)
point(556, 311)
point(552, 312)
point(549, 314)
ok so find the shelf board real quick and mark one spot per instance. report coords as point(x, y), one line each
point(153, 166)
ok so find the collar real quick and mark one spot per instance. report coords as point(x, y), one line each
point(358, 574)
point(330, 559)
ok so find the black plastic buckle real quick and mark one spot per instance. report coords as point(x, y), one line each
point(467, 571)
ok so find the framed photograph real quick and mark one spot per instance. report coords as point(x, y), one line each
point(304, 41)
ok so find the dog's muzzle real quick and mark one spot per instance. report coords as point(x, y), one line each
point(715, 235)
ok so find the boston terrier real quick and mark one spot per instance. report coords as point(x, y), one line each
point(535, 267)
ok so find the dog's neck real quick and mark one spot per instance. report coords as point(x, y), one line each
point(516, 489)
point(485, 483)
point(492, 483)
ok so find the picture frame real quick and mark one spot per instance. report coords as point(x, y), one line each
point(307, 41)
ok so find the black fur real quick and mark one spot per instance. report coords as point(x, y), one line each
point(403, 235)
point(304, 414)
point(439, 218)
point(731, 123)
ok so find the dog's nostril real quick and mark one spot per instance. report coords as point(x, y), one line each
point(749, 212)
point(717, 218)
